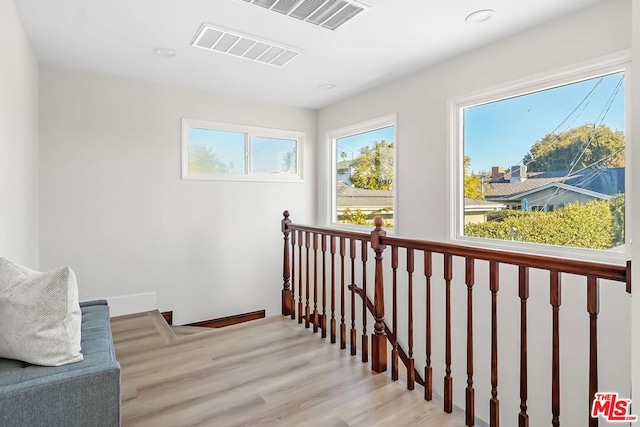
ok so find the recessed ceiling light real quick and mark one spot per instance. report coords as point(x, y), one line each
point(165, 52)
point(479, 16)
point(327, 86)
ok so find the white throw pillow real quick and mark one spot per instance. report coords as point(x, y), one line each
point(40, 316)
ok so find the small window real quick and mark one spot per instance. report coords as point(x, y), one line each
point(220, 151)
point(551, 154)
point(363, 183)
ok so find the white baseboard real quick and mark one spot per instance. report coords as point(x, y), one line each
point(130, 304)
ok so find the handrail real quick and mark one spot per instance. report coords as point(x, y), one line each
point(358, 235)
point(583, 268)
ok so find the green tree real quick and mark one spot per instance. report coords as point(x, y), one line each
point(472, 184)
point(616, 204)
point(353, 216)
point(373, 168)
point(577, 148)
point(579, 225)
point(203, 160)
point(357, 217)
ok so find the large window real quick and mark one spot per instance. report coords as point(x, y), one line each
point(544, 163)
point(213, 151)
point(364, 173)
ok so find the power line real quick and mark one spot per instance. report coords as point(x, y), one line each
point(586, 97)
point(612, 98)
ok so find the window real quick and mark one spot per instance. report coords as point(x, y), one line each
point(552, 154)
point(363, 179)
point(219, 151)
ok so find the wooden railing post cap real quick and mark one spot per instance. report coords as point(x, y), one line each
point(285, 222)
point(376, 233)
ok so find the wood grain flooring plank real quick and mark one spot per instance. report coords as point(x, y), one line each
point(268, 372)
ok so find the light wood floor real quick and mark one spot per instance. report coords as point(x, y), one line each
point(270, 372)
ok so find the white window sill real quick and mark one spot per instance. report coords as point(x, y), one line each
point(579, 254)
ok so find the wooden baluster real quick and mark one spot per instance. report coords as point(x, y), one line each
point(555, 300)
point(470, 392)
point(315, 283)
point(394, 351)
point(286, 268)
point(411, 371)
point(378, 339)
point(293, 275)
point(593, 307)
point(494, 403)
point(333, 289)
point(307, 311)
point(352, 255)
point(448, 380)
point(323, 316)
point(300, 310)
point(523, 284)
point(365, 338)
point(428, 370)
point(343, 326)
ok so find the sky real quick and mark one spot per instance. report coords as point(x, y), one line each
point(228, 146)
point(267, 154)
point(352, 144)
point(502, 132)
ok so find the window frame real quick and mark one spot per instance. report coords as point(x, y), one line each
point(620, 61)
point(249, 132)
point(350, 130)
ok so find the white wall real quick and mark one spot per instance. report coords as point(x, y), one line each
point(420, 102)
point(18, 141)
point(114, 208)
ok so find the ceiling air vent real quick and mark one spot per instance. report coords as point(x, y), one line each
point(243, 46)
point(329, 14)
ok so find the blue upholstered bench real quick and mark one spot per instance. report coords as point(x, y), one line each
point(79, 394)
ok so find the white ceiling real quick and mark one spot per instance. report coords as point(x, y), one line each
point(391, 39)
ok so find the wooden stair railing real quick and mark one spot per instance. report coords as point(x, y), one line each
point(295, 236)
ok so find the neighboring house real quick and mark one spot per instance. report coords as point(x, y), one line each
point(367, 201)
point(549, 191)
point(344, 171)
point(475, 211)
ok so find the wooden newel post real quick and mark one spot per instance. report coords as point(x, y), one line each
point(378, 338)
point(286, 268)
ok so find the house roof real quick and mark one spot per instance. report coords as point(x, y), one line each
point(345, 164)
point(507, 189)
point(362, 198)
point(475, 205)
point(599, 181)
point(562, 186)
